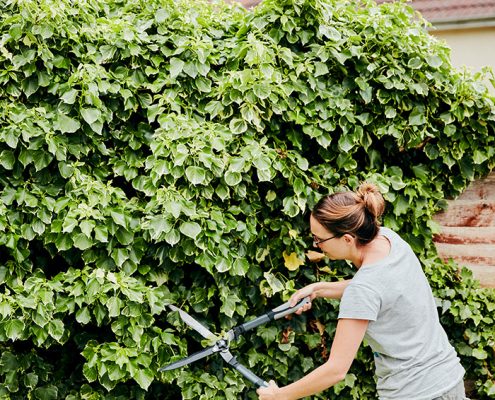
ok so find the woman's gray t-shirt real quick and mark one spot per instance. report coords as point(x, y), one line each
point(413, 357)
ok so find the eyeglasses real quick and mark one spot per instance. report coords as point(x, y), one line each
point(317, 241)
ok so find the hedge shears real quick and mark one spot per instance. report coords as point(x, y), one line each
point(222, 345)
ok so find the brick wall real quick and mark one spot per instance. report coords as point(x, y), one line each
point(468, 230)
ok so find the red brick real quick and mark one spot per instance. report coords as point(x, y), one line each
point(468, 213)
point(469, 254)
point(466, 235)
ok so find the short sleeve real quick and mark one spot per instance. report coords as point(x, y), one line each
point(359, 302)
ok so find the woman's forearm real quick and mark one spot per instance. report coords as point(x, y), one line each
point(330, 290)
point(318, 380)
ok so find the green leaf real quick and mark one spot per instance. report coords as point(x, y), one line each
point(5, 308)
point(31, 380)
point(238, 126)
point(346, 143)
point(82, 242)
point(101, 233)
point(299, 186)
point(417, 116)
point(190, 229)
point(83, 316)
point(203, 84)
point(172, 237)
point(46, 393)
point(119, 218)
point(70, 96)
point(124, 236)
point(14, 329)
point(87, 227)
point(415, 63)
point(390, 112)
point(232, 178)
point(7, 159)
point(275, 283)
point(144, 377)
point(196, 175)
point(120, 255)
point(434, 61)
point(66, 124)
point(90, 115)
point(176, 66)
point(262, 91)
point(56, 329)
point(480, 354)
point(330, 32)
point(320, 69)
point(114, 305)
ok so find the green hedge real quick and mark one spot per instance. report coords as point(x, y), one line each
point(159, 151)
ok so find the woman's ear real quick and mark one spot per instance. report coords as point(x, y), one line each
point(348, 238)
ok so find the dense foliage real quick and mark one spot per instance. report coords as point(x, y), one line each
point(159, 151)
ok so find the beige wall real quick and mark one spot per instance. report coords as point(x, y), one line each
point(470, 47)
point(473, 48)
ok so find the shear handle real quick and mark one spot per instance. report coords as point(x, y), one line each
point(257, 381)
point(276, 313)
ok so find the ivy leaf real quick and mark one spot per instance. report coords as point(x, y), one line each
point(83, 316)
point(434, 61)
point(66, 124)
point(119, 218)
point(232, 178)
point(480, 354)
point(238, 126)
point(144, 377)
point(46, 393)
point(190, 229)
point(292, 261)
point(114, 305)
point(172, 237)
point(262, 91)
point(82, 242)
point(196, 175)
point(101, 233)
point(56, 329)
point(69, 97)
point(275, 284)
point(415, 63)
point(176, 67)
point(87, 227)
point(90, 115)
point(7, 159)
point(14, 329)
point(417, 116)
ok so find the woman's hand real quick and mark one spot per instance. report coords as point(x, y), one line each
point(306, 291)
point(272, 392)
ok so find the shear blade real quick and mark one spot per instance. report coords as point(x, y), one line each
point(188, 360)
point(201, 329)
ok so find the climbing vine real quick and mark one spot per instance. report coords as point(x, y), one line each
point(158, 152)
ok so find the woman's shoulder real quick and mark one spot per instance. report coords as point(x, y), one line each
point(391, 235)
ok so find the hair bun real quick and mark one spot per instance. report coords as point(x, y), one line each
point(372, 198)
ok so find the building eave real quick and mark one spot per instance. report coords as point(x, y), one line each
point(462, 23)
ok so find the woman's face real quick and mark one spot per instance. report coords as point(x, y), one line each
point(335, 248)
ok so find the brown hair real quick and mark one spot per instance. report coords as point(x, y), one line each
point(356, 213)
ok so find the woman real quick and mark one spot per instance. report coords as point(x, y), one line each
point(388, 301)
